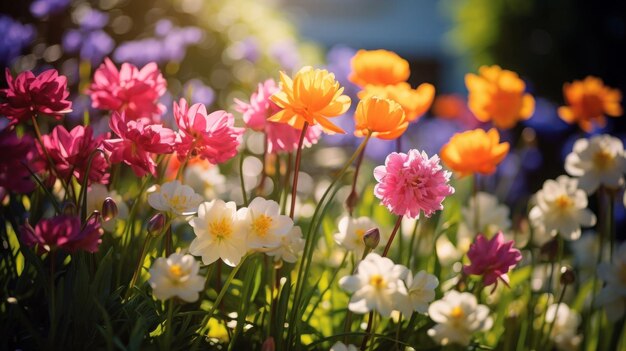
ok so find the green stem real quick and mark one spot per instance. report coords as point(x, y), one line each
point(475, 198)
point(53, 321)
point(296, 170)
point(169, 324)
point(393, 234)
point(353, 192)
point(241, 180)
point(547, 342)
point(138, 267)
point(368, 330)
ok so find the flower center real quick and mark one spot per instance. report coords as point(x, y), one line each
point(377, 281)
point(563, 202)
point(176, 201)
point(457, 312)
point(603, 159)
point(261, 225)
point(176, 271)
point(221, 229)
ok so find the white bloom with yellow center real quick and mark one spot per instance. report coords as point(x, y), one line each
point(613, 294)
point(420, 292)
point(351, 231)
point(175, 198)
point(96, 194)
point(219, 233)
point(597, 161)
point(458, 316)
point(205, 179)
point(377, 285)
point(339, 346)
point(264, 224)
point(565, 324)
point(561, 208)
point(291, 246)
point(176, 276)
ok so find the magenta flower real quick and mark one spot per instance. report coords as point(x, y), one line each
point(29, 95)
point(71, 150)
point(492, 258)
point(410, 183)
point(18, 153)
point(281, 137)
point(64, 232)
point(130, 90)
point(137, 142)
point(212, 137)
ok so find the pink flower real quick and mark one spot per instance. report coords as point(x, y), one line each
point(130, 90)
point(281, 137)
point(14, 174)
point(64, 232)
point(28, 95)
point(213, 137)
point(71, 150)
point(410, 183)
point(492, 258)
point(136, 143)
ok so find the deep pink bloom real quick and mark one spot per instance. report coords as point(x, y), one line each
point(29, 95)
point(130, 90)
point(17, 154)
point(137, 142)
point(281, 137)
point(492, 258)
point(71, 150)
point(213, 137)
point(410, 183)
point(64, 232)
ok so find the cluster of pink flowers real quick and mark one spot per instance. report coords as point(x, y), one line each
point(64, 232)
point(492, 259)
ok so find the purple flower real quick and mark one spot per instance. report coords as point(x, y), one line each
point(43, 8)
point(15, 37)
point(90, 41)
point(200, 93)
point(93, 19)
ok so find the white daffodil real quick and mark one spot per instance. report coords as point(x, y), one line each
point(420, 292)
point(290, 248)
point(566, 323)
point(377, 285)
point(205, 179)
point(458, 316)
point(613, 294)
point(264, 224)
point(351, 231)
point(176, 276)
point(597, 161)
point(219, 233)
point(175, 198)
point(561, 208)
point(339, 346)
point(96, 194)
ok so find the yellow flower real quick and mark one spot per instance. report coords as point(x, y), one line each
point(378, 67)
point(313, 96)
point(474, 151)
point(497, 95)
point(379, 117)
point(589, 101)
point(414, 102)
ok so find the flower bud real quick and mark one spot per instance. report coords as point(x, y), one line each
point(351, 201)
point(371, 238)
point(268, 344)
point(69, 209)
point(109, 209)
point(156, 224)
point(567, 275)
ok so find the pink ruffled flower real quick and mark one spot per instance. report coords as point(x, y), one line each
point(71, 151)
point(130, 90)
point(213, 137)
point(64, 232)
point(137, 142)
point(492, 258)
point(29, 95)
point(17, 155)
point(410, 183)
point(281, 137)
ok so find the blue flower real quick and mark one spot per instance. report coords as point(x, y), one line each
point(15, 37)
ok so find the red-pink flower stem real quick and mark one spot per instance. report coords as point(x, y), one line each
point(296, 170)
point(393, 234)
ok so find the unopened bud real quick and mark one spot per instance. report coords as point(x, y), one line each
point(69, 209)
point(156, 224)
point(371, 238)
point(351, 201)
point(268, 344)
point(567, 275)
point(109, 209)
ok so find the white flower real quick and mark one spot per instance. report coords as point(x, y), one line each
point(264, 223)
point(420, 292)
point(377, 285)
point(291, 245)
point(339, 346)
point(205, 179)
point(351, 231)
point(597, 161)
point(565, 326)
point(459, 316)
point(613, 294)
point(175, 198)
point(96, 194)
point(561, 208)
point(219, 233)
point(176, 276)
point(492, 216)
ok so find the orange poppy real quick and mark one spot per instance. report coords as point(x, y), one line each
point(474, 151)
point(379, 117)
point(415, 102)
point(378, 67)
point(589, 101)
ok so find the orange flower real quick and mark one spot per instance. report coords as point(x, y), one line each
point(379, 117)
point(474, 151)
point(497, 95)
point(378, 67)
point(415, 102)
point(313, 96)
point(449, 106)
point(589, 100)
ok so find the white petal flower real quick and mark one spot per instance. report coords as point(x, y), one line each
point(96, 194)
point(566, 323)
point(205, 179)
point(264, 224)
point(420, 292)
point(459, 316)
point(219, 233)
point(613, 294)
point(176, 276)
point(291, 246)
point(351, 231)
point(492, 216)
point(175, 198)
point(339, 346)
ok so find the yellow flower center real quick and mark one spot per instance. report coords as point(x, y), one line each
point(261, 225)
point(377, 281)
point(176, 201)
point(603, 159)
point(563, 202)
point(457, 312)
point(221, 229)
point(176, 271)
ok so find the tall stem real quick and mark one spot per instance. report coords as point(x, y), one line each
point(244, 194)
point(169, 323)
point(475, 198)
point(393, 234)
point(296, 170)
point(133, 281)
point(368, 330)
point(353, 197)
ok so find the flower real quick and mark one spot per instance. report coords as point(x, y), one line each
point(14, 166)
point(565, 325)
point(42, 8)
point(15, 38)
point(377, 285)
point(459, 316)
point(313, 96)
point(64, 232)
point(380, 118)
point(264, 223)
point(492, 259)
point(589, 101)
point(204, 177)
point(219, 233)
point(129, 90)
point(420, 292)
point(597, 161)
point(613, 294)
point(339, 346)
point(176, 276)
point(561, 208)
point(497, 95)
point(412, 183)
point(351, 231)
point(474, 151)
point(378, 67)
point(492, 216)
point(28, 95)
point(291, 245)
point(281, 137)
point(175, 198)
point(212, 137)
point(414, 102)
point(136, 142)
point(96, 194)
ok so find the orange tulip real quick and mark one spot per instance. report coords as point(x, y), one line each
point(497, 95)
point(474, 151)
point(415, 102)
point(379, 117)
point(589, 101)
point(378, 67)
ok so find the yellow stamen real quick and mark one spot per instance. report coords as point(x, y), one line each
point(176, 270)
point(563, 202)
point(261, 225)
point(603, 159)
point(377, 281)
point(221, 228)
point(457, 312)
